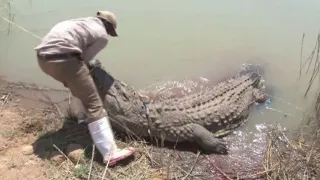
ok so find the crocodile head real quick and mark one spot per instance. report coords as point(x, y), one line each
point(118, 97)
point(255, 74)
point(259, 91)
point(122, 98)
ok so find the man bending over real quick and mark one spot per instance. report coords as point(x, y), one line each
point(63, 54)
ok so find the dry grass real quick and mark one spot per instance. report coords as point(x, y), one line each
point(90, 169)
point(297, 157)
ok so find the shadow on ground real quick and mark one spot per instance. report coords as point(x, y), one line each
point(246, 151)
point(73, 133)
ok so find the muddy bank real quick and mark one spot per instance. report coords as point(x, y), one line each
point(53, 126)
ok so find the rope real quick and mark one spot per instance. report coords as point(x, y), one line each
point(21, 28)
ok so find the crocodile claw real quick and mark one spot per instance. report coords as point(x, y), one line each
point(221, 146)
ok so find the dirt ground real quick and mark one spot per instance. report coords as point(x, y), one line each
point(20, 126)
point(39, 141)
point(16, 157)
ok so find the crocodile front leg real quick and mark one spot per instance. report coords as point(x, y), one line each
point(205, 138)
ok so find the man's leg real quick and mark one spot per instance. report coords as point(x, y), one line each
point(75, 75)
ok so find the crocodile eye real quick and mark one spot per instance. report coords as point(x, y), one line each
point(116, 87)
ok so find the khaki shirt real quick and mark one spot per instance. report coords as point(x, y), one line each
point(87, 36)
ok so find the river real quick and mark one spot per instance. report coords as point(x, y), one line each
point(168, 40)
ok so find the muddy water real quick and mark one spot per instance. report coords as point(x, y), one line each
point(159, 42)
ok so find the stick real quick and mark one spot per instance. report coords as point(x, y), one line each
point(60, 113)
point(61, 152)
point(69, 98)
point(194, 164)
point(5, 101)
point(220, 171)
point(105, 170)
point(93, 150)
point(301, 50)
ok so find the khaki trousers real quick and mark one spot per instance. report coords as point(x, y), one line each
point(74, 74)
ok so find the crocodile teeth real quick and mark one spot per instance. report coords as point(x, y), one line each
point(123, 83)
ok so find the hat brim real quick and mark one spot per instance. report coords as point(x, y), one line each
point(113, 33)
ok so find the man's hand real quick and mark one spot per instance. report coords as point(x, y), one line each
point(94, 63)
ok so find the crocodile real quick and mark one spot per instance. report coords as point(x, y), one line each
point(201, 117)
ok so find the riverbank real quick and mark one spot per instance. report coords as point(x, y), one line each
point(39, 139)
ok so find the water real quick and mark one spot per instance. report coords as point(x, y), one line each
point(165, 40)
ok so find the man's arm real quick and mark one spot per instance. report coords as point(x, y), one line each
point(94, 49)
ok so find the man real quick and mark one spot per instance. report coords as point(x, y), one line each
point(63, 54)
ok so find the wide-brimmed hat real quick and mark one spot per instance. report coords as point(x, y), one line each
point(109, 17)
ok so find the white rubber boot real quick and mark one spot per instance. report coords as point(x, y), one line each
point(103, 139)
point(102, 136)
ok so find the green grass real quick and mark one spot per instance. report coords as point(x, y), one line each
point(8, 133)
